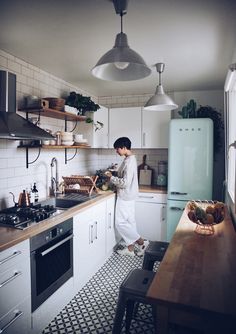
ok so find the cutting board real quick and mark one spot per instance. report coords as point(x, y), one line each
point(144, 173)
point(145, 177)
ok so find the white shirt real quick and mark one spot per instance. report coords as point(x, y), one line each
point(127, 180)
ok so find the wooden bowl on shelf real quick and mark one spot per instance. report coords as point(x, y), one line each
point(56, 103)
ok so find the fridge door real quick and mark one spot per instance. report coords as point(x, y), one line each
point(174, 213)
point(190, 159)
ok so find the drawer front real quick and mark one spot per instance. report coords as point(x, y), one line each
point(152, 197)
point(17, 321)
point(14, 255)
point(14, 286)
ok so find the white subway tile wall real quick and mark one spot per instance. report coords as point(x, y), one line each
point(14, 176)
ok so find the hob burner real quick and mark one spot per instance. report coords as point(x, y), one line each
point(23, 217)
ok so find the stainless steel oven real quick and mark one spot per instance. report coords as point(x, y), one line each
point(51, 261)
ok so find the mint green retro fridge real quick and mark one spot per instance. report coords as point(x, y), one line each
point(190, 166)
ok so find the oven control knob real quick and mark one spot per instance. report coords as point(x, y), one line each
point(47, 238)
point(61, 230)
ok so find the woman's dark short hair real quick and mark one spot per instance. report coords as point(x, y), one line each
point(122, 142)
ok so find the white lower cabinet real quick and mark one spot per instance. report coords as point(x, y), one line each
point(111, 239)
point(15, 289)
point(17, 320)
point(89, 242)
point(94, 238)
point(150, 212)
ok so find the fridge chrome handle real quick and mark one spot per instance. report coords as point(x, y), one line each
point(176, 208)
point(178, 193)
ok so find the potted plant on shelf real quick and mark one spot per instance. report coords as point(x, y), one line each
point(81, 103)
point(191, 111)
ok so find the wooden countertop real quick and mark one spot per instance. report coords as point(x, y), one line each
point(198, 272)
point(153, 189)
point(10, 237)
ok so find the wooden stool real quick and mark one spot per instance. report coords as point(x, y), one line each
point(155, 251)
point(133, 289)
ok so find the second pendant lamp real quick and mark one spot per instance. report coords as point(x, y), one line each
point(121, 63)
point(160, 101)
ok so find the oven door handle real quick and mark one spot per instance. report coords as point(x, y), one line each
point(56, 245)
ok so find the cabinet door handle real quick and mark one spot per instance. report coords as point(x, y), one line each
point(90, 234)
point(143, 196)
point(18, 273)
point(144, 139)
point(96, 234)
point(175, 208)
point(17, 315)
point(109, 220)
point(10, 257)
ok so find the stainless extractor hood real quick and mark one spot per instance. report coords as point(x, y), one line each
point(12, 125)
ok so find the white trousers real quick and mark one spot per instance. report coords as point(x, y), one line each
point(125, 221)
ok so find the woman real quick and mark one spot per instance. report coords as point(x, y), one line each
point(126, 183)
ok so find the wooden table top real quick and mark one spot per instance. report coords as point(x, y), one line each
point(198, 272)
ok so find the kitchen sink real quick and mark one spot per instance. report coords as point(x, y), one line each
point(62, 203)
point(68, 200)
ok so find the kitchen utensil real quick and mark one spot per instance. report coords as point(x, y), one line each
point(162, 180)
point(24, 199)
point(145, 176)
point(67, 142)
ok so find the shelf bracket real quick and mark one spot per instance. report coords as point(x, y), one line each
point(27, 157)
point(68, 159)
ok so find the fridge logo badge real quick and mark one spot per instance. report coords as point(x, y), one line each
point(199, 129)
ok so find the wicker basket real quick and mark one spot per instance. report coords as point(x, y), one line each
point(55, 103)
point(87, 184)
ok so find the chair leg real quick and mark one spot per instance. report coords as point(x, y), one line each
point(129, 314)
point(154, 315)
point(136, 306)
point(120, 311)
point(147, 264)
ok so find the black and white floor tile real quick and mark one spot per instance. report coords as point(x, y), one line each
point(92, 310)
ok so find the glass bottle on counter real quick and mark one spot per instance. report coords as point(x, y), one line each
point(35, 193)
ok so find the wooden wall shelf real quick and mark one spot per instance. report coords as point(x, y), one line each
point(55, 147)
point(52, 113)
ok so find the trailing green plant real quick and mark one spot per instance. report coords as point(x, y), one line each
point(98, 125)
point(209, 112)
point(82, 103)
point(191, 111)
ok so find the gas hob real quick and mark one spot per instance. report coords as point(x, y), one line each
point(24, 217)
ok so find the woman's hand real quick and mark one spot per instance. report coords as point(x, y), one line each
point(108, 174)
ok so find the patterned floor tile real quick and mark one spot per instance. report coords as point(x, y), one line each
point(92, 310)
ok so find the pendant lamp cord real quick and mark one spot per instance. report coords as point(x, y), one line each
point(159, 78)
point(121, 22)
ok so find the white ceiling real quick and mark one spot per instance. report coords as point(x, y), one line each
point(194, 38)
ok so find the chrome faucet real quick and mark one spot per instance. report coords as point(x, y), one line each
point(54, 180)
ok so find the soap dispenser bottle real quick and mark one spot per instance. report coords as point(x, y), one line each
point(35, 193)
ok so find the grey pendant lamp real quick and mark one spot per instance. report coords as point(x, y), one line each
point(121, 63)
point(160, 101)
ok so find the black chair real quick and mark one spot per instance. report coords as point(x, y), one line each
point(133, 289)
point(155, 251)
